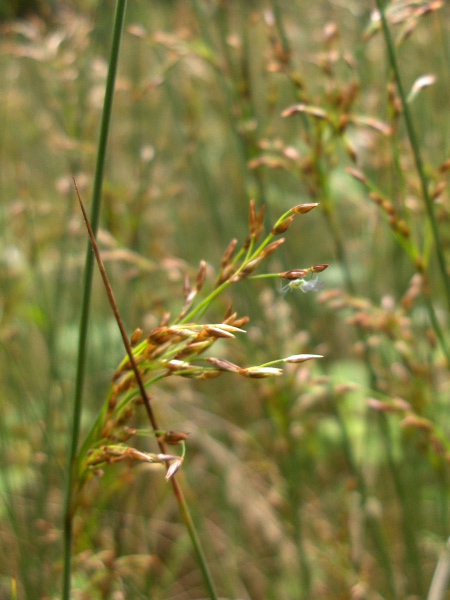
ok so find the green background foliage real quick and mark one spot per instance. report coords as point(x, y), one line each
point(331, 481)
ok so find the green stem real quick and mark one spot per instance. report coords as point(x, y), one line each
point(280, 27)
point(416, 151)
point(87, 287)
point(192, 531)
point(200, 308)
point(409, 532)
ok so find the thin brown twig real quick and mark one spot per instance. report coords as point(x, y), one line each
point(179, 496)
point(123, 333)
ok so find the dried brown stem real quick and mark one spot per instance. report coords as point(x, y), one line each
point(183, 508)
point(115, 309)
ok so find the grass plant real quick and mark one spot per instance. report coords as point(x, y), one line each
point(330, 479)
point(87, 291)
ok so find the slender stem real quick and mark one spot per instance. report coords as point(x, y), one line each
point(182, 505)
point(281, 30)
point(123, 332)
point(416, 151)
point(87, 287)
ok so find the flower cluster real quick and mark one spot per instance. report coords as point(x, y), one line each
point(176, 348)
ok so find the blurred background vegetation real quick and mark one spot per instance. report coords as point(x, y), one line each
point(329, 482)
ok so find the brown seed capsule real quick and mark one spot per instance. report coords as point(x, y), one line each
point(217, 332)
point(193, 348)
point(283, 226)
point(224, 365)
point(201, 276)
point(445, 166)
point(229, 317)
point(294, 274)
point(261, 372)
point(350, 149)
point(205, 375)
point(439, 189)
point(126, 384)
point(112, 400)
point(380, 406)
point(173, 437)
point(248, 269)
point(343, 122)
point(388, 207)
point(240, 322)
point(376, 197)
point(319, 268)
point(159, 335)
point(136, 336)
point(414, 421)
point(226, 274)
point(271, 248)
point(403, 228)
point(302, 209)
point(229, 253)
point(255, 219)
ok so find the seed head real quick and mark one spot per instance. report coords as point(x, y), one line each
point(319, 268)
point(271, 248)
point(174, 468)
point(445, 166)
point(439, 189)
point(298, 358)
point(136, 336)
point(200, 276)
point(294, 274)
point(173, 438)
point(302, 209)
point(255, 220)
point(224, 365)
point(218, 332)
point(283, 226)
point(415, 422)
point(229, 253)
point(261, 372)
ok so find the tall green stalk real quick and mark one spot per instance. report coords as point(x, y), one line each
point(415, 150)
point(87, 287)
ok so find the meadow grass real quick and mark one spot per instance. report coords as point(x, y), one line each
point(330, 479)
